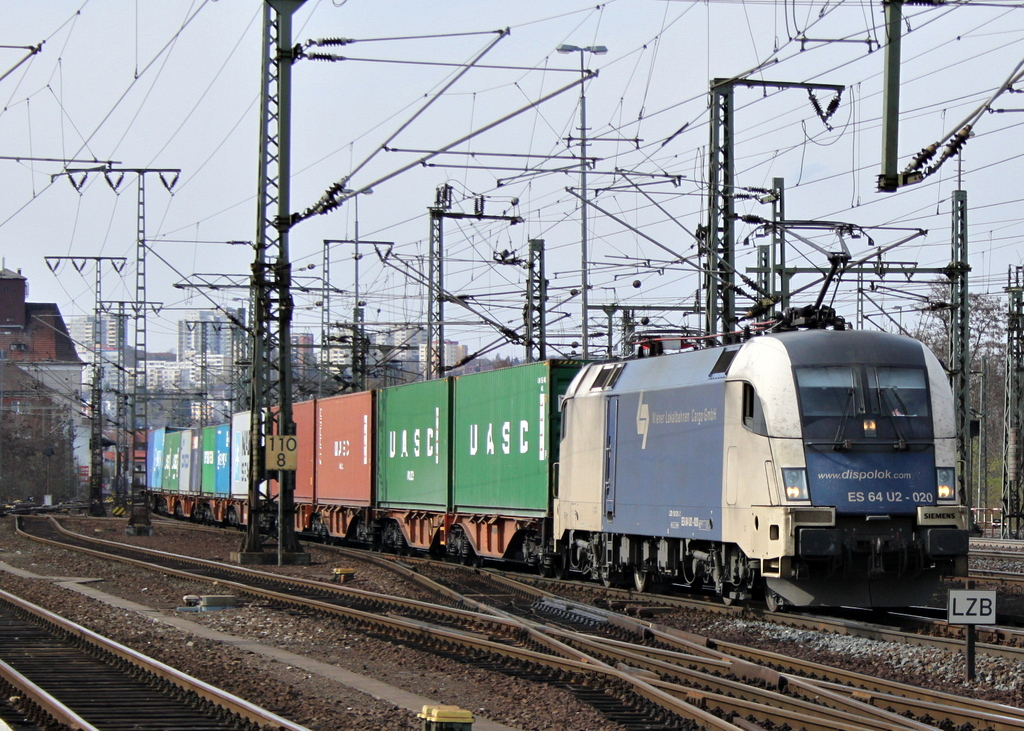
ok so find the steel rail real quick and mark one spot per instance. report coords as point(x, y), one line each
point(433, 635)
point(634, 664)
point(802, 675)
point(396, 603)
point(43, 701)
point(731, 696)
point(701, 669)
point(220, 698)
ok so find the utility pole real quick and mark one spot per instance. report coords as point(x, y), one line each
point(138, 521)
point(536, 304)
point(436, 296)
point(81, 263)
point(1012, 501)
point(125, 441)
point(889, 179)
point(360, 344)
point(720, 234)
point(272, 303)
point(584, 213)
point(959, 340)
point(983, 436)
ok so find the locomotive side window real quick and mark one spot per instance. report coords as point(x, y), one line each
point(607, 376)
point(753, 412)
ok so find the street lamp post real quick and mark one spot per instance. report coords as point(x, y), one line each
point(585, 283)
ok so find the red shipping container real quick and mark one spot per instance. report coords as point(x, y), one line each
point(304, 416)
point(345, 449)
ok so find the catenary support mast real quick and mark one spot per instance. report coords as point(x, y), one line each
point(959, 339)
point(272, 300)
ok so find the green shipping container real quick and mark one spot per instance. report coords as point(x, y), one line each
point(209, 456)
point(506, 430)
point(172, 460)
point(413, 445)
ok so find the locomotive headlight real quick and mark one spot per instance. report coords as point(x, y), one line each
point(795, 481)
point(946, 491)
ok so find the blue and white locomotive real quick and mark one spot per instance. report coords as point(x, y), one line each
point(817, 466)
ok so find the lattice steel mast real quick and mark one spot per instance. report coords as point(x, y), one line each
point(1013, 516)
point(959, 343)
point(272, 300)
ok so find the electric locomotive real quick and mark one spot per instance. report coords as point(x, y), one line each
point(815, 466)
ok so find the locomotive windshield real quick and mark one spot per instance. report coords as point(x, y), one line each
point(858, 403)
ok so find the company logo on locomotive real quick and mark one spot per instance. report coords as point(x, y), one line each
point(645, 417)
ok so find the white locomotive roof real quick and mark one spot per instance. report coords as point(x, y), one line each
point(769, 355)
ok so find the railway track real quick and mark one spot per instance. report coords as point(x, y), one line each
point(645, 675)
point(671, 654)
point(61, 673)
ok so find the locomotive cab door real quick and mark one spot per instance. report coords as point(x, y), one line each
point(610, 444)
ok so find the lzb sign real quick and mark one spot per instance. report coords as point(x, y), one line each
point(282, 452)
point(967, 606)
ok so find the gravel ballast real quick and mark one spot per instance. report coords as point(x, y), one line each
point(318, 703)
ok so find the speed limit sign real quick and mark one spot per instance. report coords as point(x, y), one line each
point(282, 452)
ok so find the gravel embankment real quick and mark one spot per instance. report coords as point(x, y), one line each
point(323, 704)
point(308, 699)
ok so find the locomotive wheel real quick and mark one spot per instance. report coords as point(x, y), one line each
point(774, 601)
point(641, 580)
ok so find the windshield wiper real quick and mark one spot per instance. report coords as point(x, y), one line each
point(900, 410)
point(840, 442)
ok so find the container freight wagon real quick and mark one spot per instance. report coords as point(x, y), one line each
point(172, 463)
point(185, 463)
point(505, 426)
point(155, 459)
point(240, 429)
point(343, 468)
point(304, 417)
point(222, 480)
point(196, 466)
point(413, 461)
point(208, 485)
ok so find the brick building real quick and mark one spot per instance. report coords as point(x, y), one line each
point(40, 395)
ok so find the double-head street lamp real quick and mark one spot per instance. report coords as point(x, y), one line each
point(597, 51)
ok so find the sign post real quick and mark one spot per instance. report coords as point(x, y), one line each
point(971, 608)
point(282, 452)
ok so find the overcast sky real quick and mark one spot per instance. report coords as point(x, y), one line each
point(175, 85)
